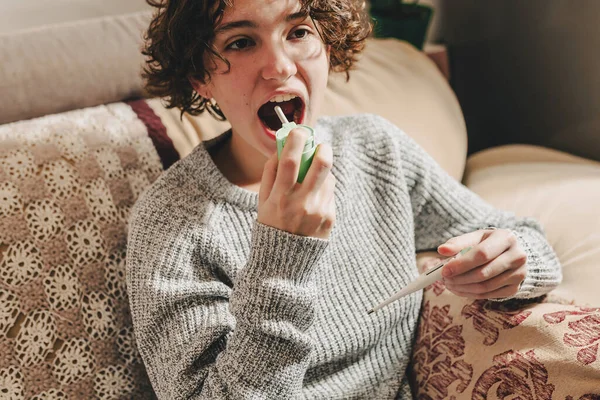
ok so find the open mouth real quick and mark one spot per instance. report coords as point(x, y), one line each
point(292, 107)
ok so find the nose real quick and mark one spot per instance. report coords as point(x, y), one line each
point(278, 63)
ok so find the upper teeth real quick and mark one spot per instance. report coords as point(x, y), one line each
point(283, 97)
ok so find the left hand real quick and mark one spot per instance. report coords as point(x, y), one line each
point(495, 267)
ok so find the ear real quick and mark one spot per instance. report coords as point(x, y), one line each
point(200, 87)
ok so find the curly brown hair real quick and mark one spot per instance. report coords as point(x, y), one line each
point(181, 31)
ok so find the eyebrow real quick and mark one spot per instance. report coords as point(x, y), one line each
point(250, 24)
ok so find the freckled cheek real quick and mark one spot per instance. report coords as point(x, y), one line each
point(232, 93)
point(241, 89)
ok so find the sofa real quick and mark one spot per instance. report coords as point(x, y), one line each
point(79, 141)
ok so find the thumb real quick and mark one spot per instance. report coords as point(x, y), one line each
point(456, 244)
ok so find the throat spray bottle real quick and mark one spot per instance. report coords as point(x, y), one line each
point(309, 147)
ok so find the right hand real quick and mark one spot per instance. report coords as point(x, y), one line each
point(307, 208)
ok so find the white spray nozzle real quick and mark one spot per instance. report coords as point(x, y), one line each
point(281, 115)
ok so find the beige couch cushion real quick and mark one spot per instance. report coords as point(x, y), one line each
point(562, 192)
point(17, 15)
point(55, 68)
point(521, 153)
point(392, 79)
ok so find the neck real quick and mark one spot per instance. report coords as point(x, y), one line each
point(240, 163)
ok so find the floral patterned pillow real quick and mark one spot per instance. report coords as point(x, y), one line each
point(67, 183)
point(534, 349)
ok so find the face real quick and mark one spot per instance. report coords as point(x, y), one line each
point(276, 57)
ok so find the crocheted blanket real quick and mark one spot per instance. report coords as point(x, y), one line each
point(67, 183)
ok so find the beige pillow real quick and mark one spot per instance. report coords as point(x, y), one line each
point(62, 67)
point(67, 183)
point(27, 14)
point(559, 190)
point(392, 79)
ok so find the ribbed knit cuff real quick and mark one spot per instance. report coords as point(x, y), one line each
point(280, 254)
point(540, 278)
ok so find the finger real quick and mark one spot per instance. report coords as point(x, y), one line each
point(327, 222)
point(268, 179)
point(511, 259)
point(319, 168)
point(322, 218)
point(327, 190)
point(505, 291)
point(512, 277)
point(325, 200)
point(456, 244)
point(289, 163)
point(490, 247)
point(329, 216)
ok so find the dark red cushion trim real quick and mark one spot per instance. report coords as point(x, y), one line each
point(157, 132)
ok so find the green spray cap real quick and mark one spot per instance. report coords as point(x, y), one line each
point(309, 146)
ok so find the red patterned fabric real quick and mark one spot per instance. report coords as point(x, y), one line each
point(513, 374)
point(584, 331)
point(534, 349)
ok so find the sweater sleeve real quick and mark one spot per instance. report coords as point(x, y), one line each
point(444, 208)
point(200, 337)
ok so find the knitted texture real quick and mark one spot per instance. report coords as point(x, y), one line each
point(224, 307)
point(67, 184)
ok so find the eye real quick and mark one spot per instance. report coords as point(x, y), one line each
point(300, 33)
point(240, 44)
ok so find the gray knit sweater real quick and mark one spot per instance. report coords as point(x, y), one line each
point(225, 307)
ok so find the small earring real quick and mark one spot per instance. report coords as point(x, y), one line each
point(214, 109)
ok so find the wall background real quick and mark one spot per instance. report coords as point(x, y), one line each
point(525, 71)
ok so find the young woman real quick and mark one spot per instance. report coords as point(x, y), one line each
point(244, 283)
